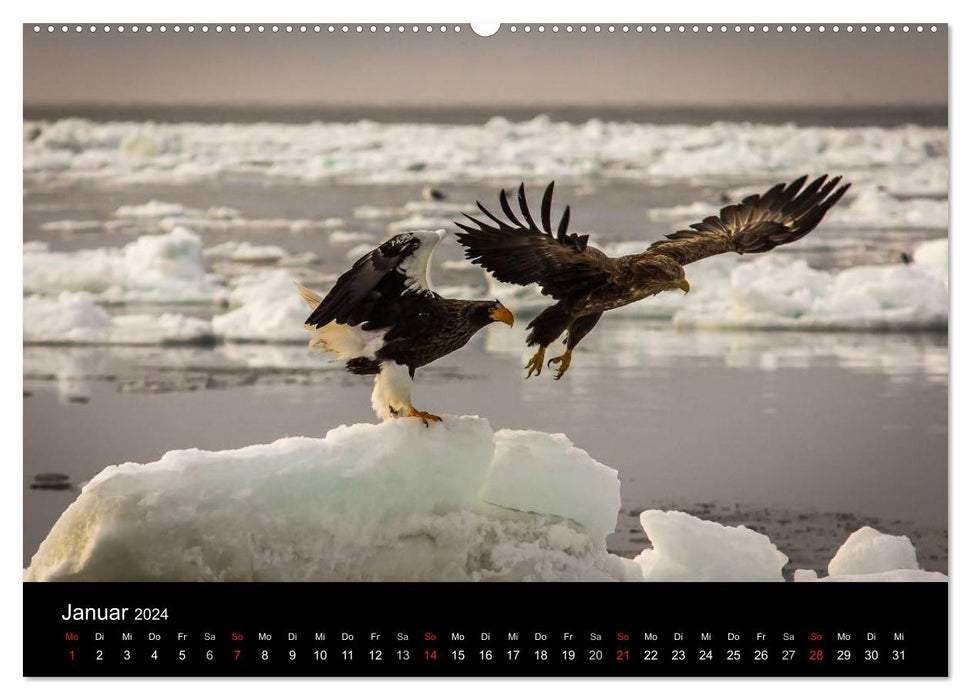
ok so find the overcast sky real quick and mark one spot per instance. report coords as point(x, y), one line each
point(464, 69)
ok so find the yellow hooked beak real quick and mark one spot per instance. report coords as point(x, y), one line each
point(684, 286)
point(502, 314)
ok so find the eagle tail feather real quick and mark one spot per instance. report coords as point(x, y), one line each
point(311, 297)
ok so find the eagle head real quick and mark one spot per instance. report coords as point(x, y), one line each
point(487, 312)
point(669, 273)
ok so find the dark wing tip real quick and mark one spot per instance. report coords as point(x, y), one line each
point(546, 207)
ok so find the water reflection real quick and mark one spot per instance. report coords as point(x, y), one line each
point(629, 343)
point(621, 344)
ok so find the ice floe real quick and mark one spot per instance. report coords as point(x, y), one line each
point(71, 150)
point(868, 551)
point(168, 268)
point(784, 292)
point(395, 501)
point(871, 555)
point(268, 309)
point(398, 501)
point(686, 548)
point(873, 207)
point(76, 318)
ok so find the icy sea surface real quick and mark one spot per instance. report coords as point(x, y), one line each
point(803, 393)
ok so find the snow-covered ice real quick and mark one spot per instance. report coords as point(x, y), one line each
point(168, 268)
point(246, 252)
point(395, 501)
point(871, 206)
point(76, 318)
point(768, 292)
point(868, 551)
point(71, 150)
point(867, 206)
point(343, 237)
point(686, 548)
point(588, 492)
point(869, 555)
point(784, 292)
point(268, 310)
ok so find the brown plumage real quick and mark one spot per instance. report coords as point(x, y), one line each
point(585, 282)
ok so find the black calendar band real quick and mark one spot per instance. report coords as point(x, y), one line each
point(515, 629)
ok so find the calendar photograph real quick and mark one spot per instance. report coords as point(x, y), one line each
point(412, 304)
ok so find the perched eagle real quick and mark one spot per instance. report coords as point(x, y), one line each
point(381, 318)
point(585, 282)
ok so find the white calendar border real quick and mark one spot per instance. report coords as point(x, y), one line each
point(708, 11)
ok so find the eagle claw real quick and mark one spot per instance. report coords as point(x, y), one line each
point(535, 364)
point(412, 412)
point(564, 363)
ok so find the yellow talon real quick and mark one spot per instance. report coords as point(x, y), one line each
point(563, 362)
point(535, 363)
point(413, 412)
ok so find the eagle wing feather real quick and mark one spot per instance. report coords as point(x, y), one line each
point(782, 214)
point(522, 252)
point(373, 278)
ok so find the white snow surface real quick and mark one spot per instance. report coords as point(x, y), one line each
point(158, 269)
point(391, 502)
point(869, 551)
point(394, 501)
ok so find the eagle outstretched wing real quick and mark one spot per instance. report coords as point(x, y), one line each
point(372, 281)
point(522, 252)
point(783, 214)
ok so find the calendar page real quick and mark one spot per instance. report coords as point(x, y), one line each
point(549, 349)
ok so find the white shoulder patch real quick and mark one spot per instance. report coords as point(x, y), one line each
point(415, 267)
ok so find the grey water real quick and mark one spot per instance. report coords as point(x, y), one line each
point(803, 436)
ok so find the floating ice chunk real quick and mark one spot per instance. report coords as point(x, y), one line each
point(394, 501)
point(896, 576)
point(932, 257)
point(686, 548)
point(871, 206)
point(342, 237)
point(72, 226)
point(153, 210)
point(269, 310)
point(166, 268)
point(542, 473)
point(685, 213)
point(420, 222)
point(803, 575)
point(776, 291)
point(70, 150)
point(246, 252)
point(75, 317)
point(869, 551)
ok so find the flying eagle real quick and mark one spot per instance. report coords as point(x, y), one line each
point(585, 282)
point(381, 318)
